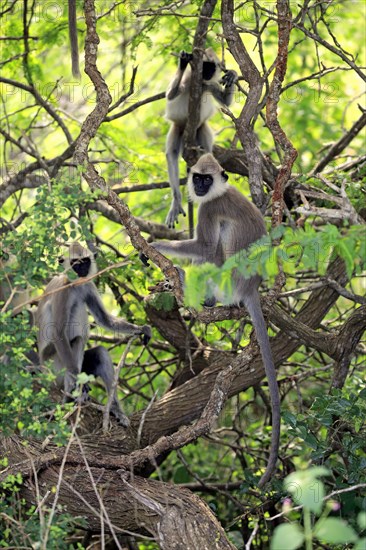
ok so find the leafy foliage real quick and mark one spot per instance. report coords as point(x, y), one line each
point(304, 249)
point(46, 203)
point(308, 492)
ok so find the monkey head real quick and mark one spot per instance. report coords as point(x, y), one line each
point(80, 259)
point(211, 68)
point(207, 180)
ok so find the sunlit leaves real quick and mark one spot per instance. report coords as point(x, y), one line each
point(301, 249)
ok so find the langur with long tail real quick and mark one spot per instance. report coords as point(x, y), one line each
point(228, 223)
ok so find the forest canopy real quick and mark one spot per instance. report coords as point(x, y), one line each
point(83, 158)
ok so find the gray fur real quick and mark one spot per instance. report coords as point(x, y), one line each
point(63, 329)
point(177, 112)
point(227, 224)
point(73, 37)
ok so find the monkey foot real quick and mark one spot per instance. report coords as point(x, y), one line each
point(162, 286)
point(172, 217)
point(120, 417)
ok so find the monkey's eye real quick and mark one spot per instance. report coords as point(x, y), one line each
point(207, 179)
point(196, 178)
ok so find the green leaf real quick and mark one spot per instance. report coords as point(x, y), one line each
point(289, 418)
point(84, 378)
point(334, 531)
point(163, 301)
point(287, 537)
point(306, 489)
point(361, 520)
point(361, 545)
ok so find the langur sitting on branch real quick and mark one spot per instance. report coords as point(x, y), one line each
point(63, 328)
point(228, 223)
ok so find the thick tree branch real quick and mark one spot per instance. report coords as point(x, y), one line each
point(244, 123)
point(175, 517)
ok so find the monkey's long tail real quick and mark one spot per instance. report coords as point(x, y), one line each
point(73, 36)
point(254, 308)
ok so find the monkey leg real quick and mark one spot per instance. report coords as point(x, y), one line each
point(205, 138)
point(98, 362)
point(71, 365)
point(172, 151)
point(210, 301)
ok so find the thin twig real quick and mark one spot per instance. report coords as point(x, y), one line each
point(113, 390)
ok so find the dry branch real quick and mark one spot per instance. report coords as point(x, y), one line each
point(341, 144)
point(290, 153)
point(88, 132)
point(244, 123)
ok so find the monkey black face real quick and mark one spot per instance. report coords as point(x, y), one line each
point(202, 183)
point(81, 266)
point(208, 70)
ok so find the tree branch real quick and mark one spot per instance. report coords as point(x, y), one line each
point(190, 152)
point(341, 144)
point(89, 130)
point(244, 123)
point(284, 29)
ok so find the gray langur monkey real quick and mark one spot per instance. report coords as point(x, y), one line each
point(63, 327)
point(228, 223)
point(73, 37)
point(177, 95)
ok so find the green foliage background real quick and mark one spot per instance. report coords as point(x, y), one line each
point(129, 151)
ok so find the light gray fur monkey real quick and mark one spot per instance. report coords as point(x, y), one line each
point(63, 327)
point(222, 89)
point(73, 37)
point(228, 223)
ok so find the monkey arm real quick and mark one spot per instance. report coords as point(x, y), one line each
point(192, 249)
point(223, 94)
point(203, 248)
point(110, 322)
point(61, 332)
point(176, 87)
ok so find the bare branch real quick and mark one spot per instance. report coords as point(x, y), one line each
point(89, 130)
point(284, 29)
point(244, 123)
point(341, 144)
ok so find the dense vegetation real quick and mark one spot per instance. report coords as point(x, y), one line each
point(196, 396)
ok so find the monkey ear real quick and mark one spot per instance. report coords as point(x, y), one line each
point(224, 175)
